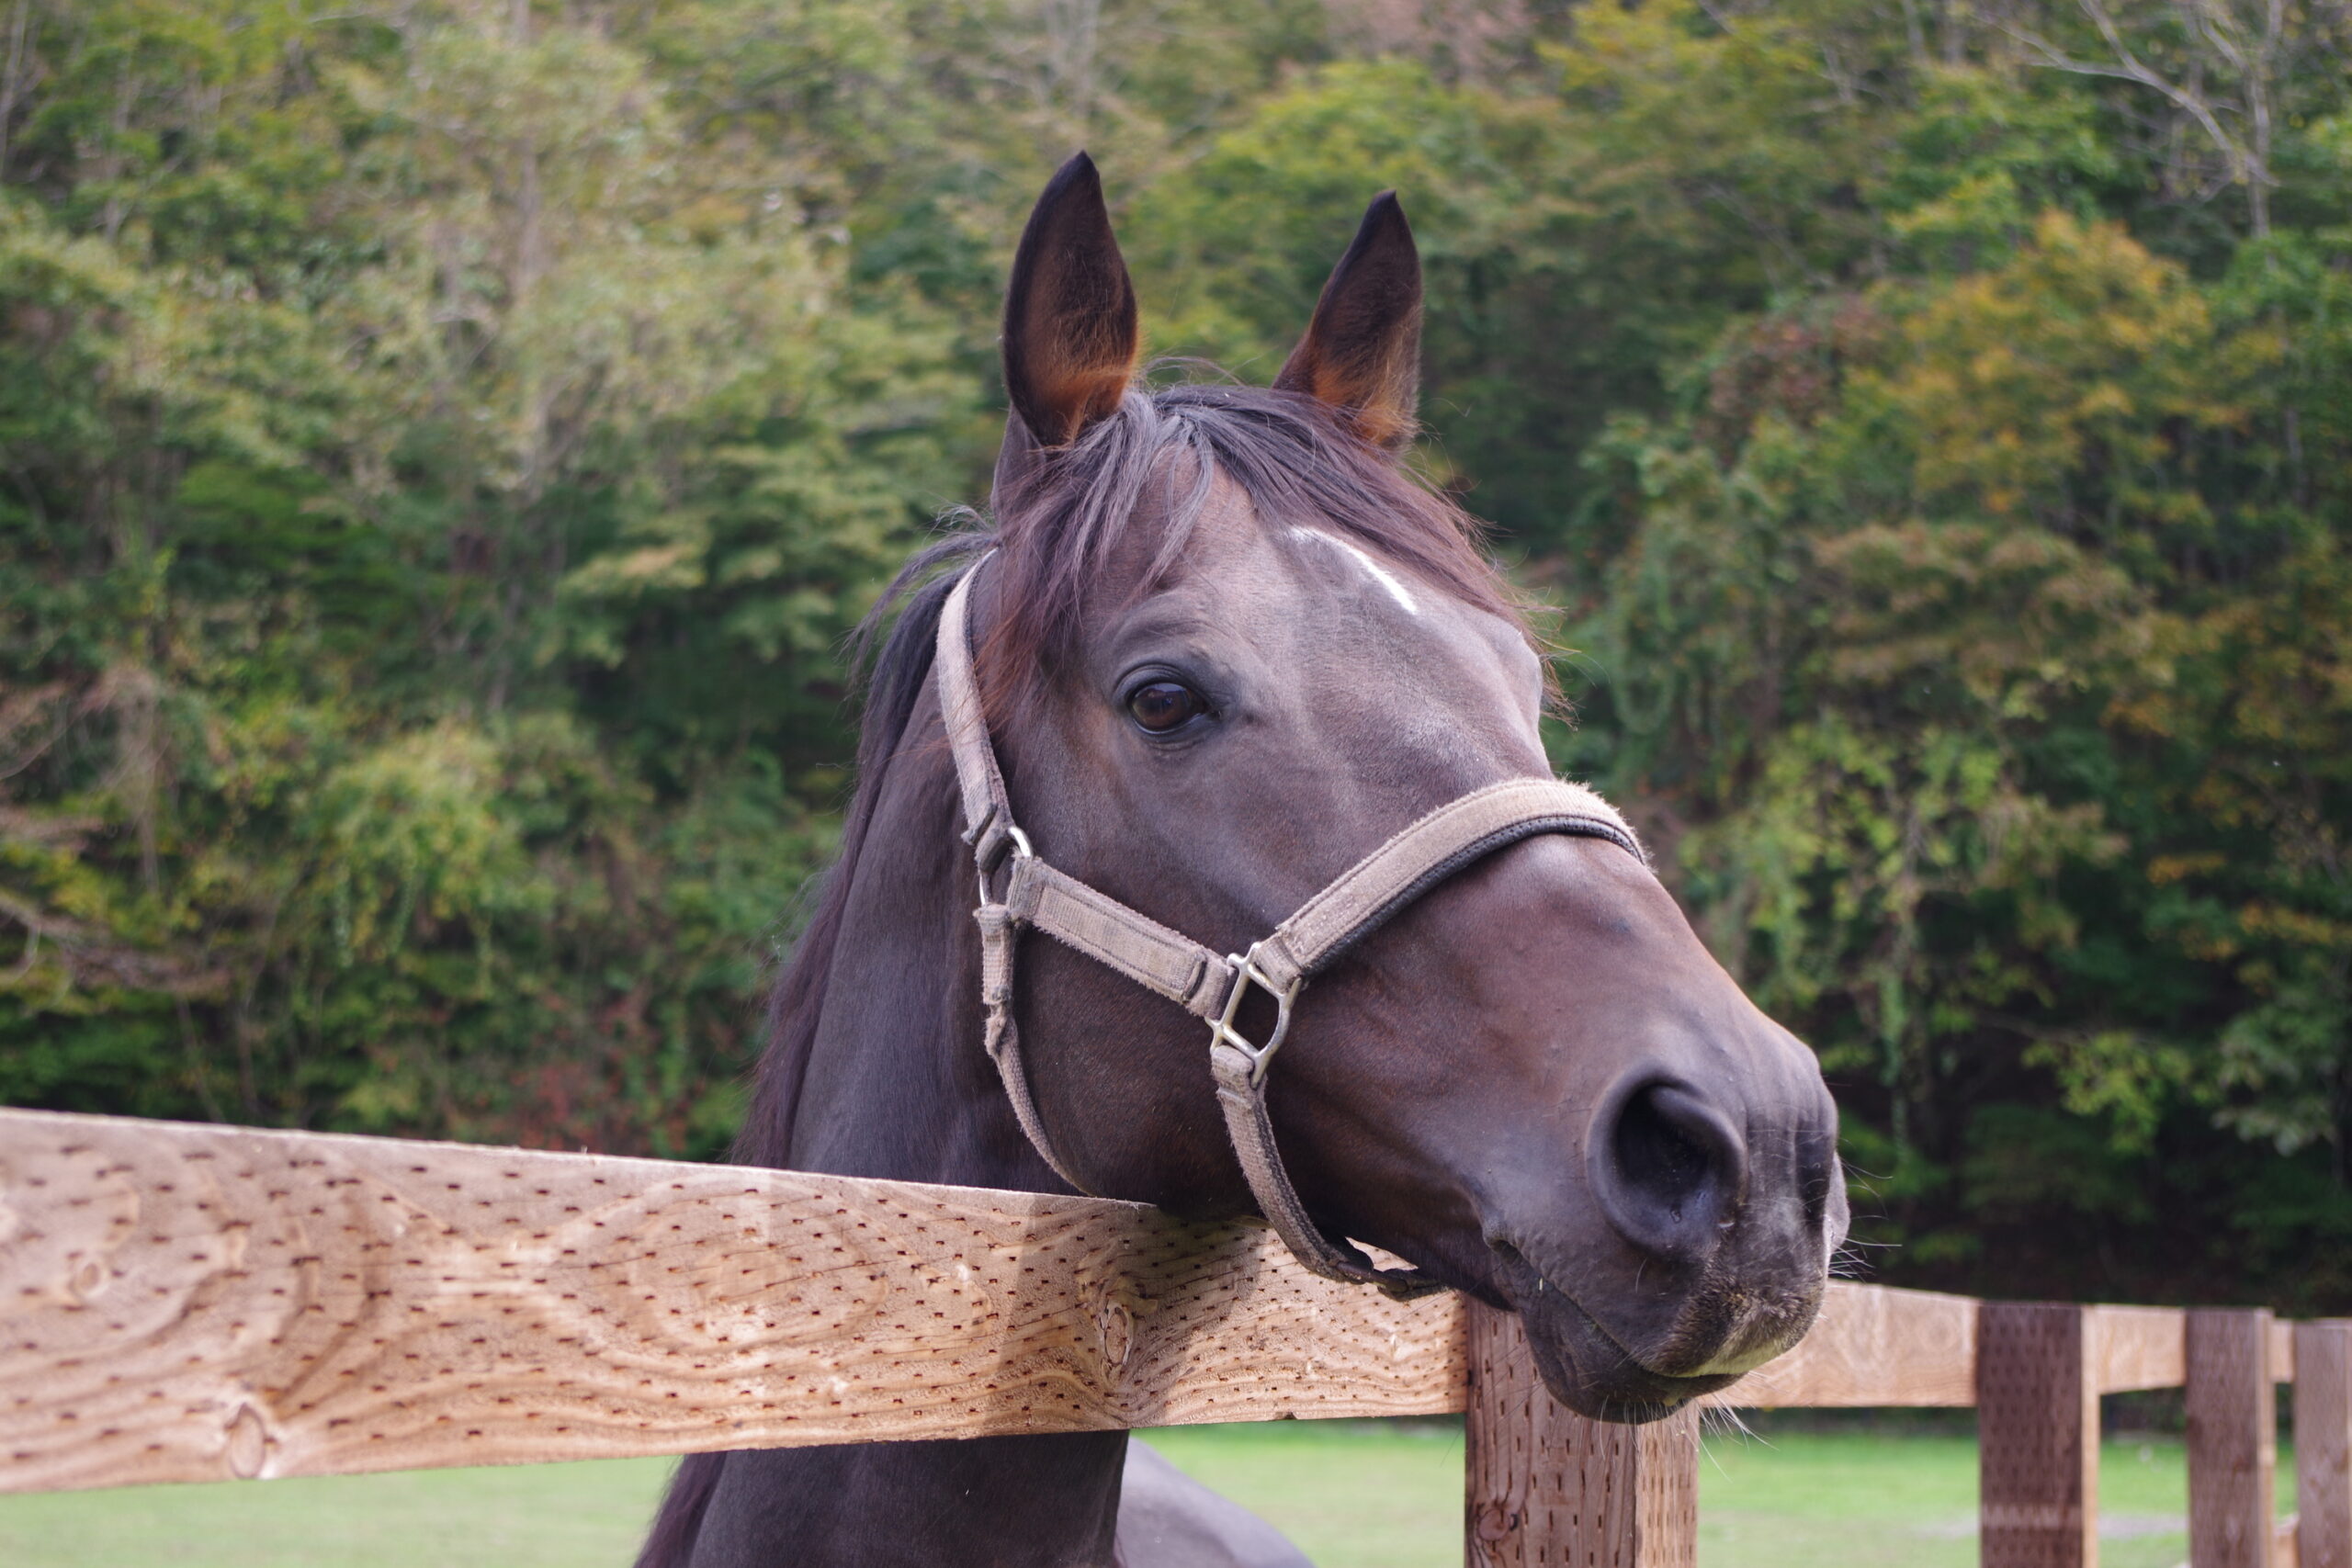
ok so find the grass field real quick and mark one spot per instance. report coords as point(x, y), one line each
point(1355, 1494)
point(1370, 1497)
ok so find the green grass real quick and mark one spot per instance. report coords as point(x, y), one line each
point(1365, 1495)
point(580, 1516)
point(1354, 1495)
point(1877, 1500)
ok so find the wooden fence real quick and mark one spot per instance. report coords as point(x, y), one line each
point(194, 1303)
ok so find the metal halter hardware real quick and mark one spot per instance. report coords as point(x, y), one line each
point(1019, 890)
point(1247, 974)
point(990, 853)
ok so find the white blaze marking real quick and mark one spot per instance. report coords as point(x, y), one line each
point(1380, 574)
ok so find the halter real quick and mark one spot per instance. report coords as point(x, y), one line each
point(1208, 987)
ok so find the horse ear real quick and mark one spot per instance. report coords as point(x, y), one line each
point(1069, 314)
point(1361, 353)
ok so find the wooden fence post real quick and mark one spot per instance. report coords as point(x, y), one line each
point(2232, 1438)
point(2037, 1424)
point(1546, 1487)
point(2323, 1445)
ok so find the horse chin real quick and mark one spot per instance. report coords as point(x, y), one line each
point(1595, 1376)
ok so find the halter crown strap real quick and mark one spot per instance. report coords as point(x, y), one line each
point(1415, 859)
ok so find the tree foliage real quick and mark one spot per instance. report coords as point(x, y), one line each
point(445, 444)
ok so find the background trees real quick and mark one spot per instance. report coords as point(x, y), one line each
point(442, 445)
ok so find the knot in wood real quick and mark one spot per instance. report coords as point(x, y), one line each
point(1118, 1329)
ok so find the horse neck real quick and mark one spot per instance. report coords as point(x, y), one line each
point(896, 1083)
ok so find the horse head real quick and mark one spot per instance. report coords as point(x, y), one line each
point(1226, 645)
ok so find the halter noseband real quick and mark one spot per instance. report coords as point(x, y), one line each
point(1195, 977)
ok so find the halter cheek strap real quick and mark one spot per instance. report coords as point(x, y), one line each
point(1018, 889)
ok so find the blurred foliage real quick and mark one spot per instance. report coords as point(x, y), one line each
point(445, 443)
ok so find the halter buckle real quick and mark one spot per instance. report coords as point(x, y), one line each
point(989, 839)
point(1222, 1032)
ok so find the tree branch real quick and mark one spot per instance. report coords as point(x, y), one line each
point(2132, 70)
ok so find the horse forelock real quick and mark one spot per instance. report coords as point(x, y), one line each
point(1153, 463)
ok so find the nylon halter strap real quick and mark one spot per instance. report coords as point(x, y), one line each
point(1209, 986)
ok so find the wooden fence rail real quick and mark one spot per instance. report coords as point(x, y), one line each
point(194, 1303)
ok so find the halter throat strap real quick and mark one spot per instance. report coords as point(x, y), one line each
point(1019, 889)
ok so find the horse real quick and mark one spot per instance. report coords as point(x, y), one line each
point(1226, 658)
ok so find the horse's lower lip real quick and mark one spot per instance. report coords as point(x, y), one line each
point(1588, 1369)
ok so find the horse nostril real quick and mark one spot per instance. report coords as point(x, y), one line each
point(1675, 1170)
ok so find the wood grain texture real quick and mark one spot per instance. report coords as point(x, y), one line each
point(2323, 1445)
point(2037, 1424)
point(1542, 1486)
point(2137, 1347)
point(1872, 1346)
point(190, 1303)
point(1876, 1346)
point(2232, 1438)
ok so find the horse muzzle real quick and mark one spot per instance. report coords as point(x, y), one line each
point(1695, 1249)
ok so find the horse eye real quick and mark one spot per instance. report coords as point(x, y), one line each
point(1164, 707)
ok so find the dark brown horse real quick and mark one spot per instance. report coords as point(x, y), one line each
point(1228, 645)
